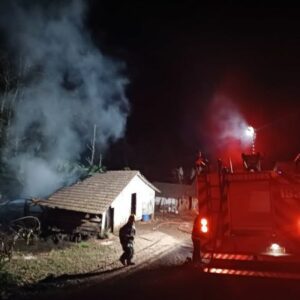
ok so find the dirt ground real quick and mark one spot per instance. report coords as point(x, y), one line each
point(162, 245)
point(164, 234)
point(179, 226)
point(180, 282)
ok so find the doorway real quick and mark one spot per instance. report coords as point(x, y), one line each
point(110, 219)
point(133, 203)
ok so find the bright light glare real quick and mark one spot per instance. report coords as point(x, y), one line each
point(275, 247)
point(203, 222)
point(250, 131)
point(276, 250)
point(204, 228)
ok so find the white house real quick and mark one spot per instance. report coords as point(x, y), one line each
point(137, 197)
point(107, 198)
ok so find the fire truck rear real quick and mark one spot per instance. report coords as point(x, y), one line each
point(250, 219)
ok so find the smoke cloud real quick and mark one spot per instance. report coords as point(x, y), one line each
point(227, 129)
point(67, 87)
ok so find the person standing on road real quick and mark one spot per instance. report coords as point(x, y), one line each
point(196, 238)
point(126, 235)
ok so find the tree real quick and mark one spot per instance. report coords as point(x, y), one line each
point(91, 147)
point(92, 167)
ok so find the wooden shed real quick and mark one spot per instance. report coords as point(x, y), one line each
point(103, 201)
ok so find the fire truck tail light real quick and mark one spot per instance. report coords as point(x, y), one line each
point(203, 222)
point(204, 225)
point(204, 229)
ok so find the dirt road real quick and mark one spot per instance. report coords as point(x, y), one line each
point(165, 241)
point(161, 274)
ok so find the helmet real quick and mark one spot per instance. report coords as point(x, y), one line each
point(131, 218)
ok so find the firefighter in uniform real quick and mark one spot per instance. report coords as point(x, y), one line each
point(126, 235)
point(196, 238)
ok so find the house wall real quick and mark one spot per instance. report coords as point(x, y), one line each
point(145, 201)
point(174, 205)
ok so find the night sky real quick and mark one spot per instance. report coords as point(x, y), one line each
point(185, 61)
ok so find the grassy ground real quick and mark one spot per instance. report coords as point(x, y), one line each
point(31, 264)
point(34, 263)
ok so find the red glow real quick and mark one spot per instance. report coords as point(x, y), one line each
point(230, 256)
point(298, 226)
point(227, 127)
point(240, 100)
point(204, 225)
point(252, 273)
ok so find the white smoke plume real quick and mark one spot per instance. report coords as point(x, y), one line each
point(228, 126)
point(68, 86)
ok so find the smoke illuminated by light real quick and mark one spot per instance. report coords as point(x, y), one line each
point(234, 127)
point(230, 133)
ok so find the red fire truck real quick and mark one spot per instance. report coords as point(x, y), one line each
point(249, 215)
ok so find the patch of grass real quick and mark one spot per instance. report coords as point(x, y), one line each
point(84, 244)
point(85, 257)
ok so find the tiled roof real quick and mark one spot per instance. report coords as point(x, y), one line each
point(175, 190)
point(94, 194)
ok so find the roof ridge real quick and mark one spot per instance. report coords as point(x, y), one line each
point(95, 193)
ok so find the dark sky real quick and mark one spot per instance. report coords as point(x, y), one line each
point(182, 58)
